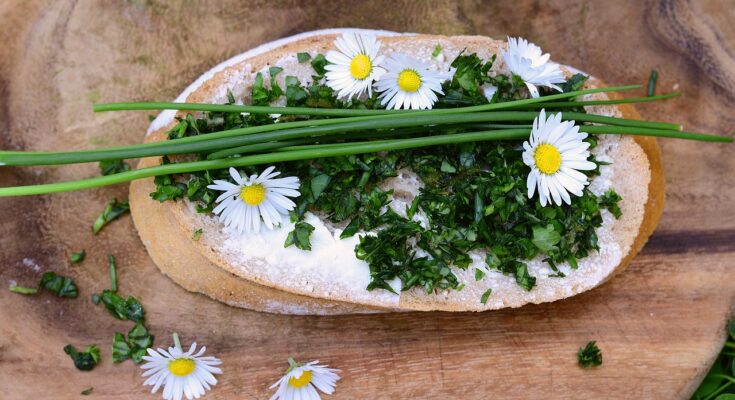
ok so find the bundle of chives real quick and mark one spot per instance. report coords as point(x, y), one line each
point(335, 136)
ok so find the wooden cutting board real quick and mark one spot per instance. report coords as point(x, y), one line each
point(660, 324)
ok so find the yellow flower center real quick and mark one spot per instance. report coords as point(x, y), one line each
point(548, 158)
point(301, 381)
point(181, 366)
point(360, 66)
point(409, 80)
point(253, 195)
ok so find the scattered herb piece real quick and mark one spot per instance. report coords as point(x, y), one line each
point(437, 50)
point(299, 236)
point(95, 298)
point(113, 273)
point(60, 285)
point(652, 83)
point(87, 391)
point(23, 289)
point(113, 167)
point(120, 348)
point(113, 210)
point(589, 355)
point(303, 57)
point(197, 235)
point(120, 308)
point(85, 360)
point(486, 296)
point(78, 257)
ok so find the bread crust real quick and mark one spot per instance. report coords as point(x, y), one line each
point(254, 288)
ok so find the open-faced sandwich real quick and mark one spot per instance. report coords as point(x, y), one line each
point(471, 226)
point(354, 171)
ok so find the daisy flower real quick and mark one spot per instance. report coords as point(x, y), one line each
point(408, 83)
point(353, 68)
point(181, 373)
point(556, 152)
point(246, 202)
point(526, 60)
point(300, 381)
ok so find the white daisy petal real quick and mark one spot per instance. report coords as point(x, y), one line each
point(408, 83)
point(354, 66)
point(556, 152)
point(526, 60)
point(182, 374)
point(302, 381)
point(260, 198)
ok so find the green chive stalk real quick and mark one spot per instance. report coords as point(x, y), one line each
point(339, 112)
point(228, 143)
point(315, 152)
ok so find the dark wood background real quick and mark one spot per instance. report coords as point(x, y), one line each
point(659, 324)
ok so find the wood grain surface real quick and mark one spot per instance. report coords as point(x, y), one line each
point(659, 324)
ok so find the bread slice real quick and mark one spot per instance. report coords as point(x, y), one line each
point(257, 272)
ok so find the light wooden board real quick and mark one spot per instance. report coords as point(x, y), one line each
point(659, 324)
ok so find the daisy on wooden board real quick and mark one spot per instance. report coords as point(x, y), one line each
point(301, 381)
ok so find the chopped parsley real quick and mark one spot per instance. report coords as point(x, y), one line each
point(113, 210)
point(473, 199)
point(303, 57)
point(77, 257)
point(83, 360)
point(87, 391)
point(197, 235)
point(60, 285)
point(437, 50)
point(590, 355)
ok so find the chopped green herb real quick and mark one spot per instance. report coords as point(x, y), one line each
point(299, 236)
point(113, 167)
point(197, 235)
point(120, 308)
point(486, 296)
point(95, 298)
point(87, 391)
point(113, 274)
point(437, 50)
point(134, 347)
point(479, 274)
point(589, 355)
point(85, 360)
point(546, 238)
point(303, 57)
point(78, 257)
point(23, 289)
point(113, 210)
point(318, 63)
point(60, 285)
point(652, 83)
point(120, 348)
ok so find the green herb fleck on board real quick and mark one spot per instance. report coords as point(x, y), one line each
point(589, 355)
point(87, 391)
point(77, 257)
point(197, 235)
point(83, 360)
point(113, 273)
point(437, 50)
point(60, 285)
point(113, 210)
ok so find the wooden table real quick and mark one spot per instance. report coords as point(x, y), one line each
point(659, 324)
